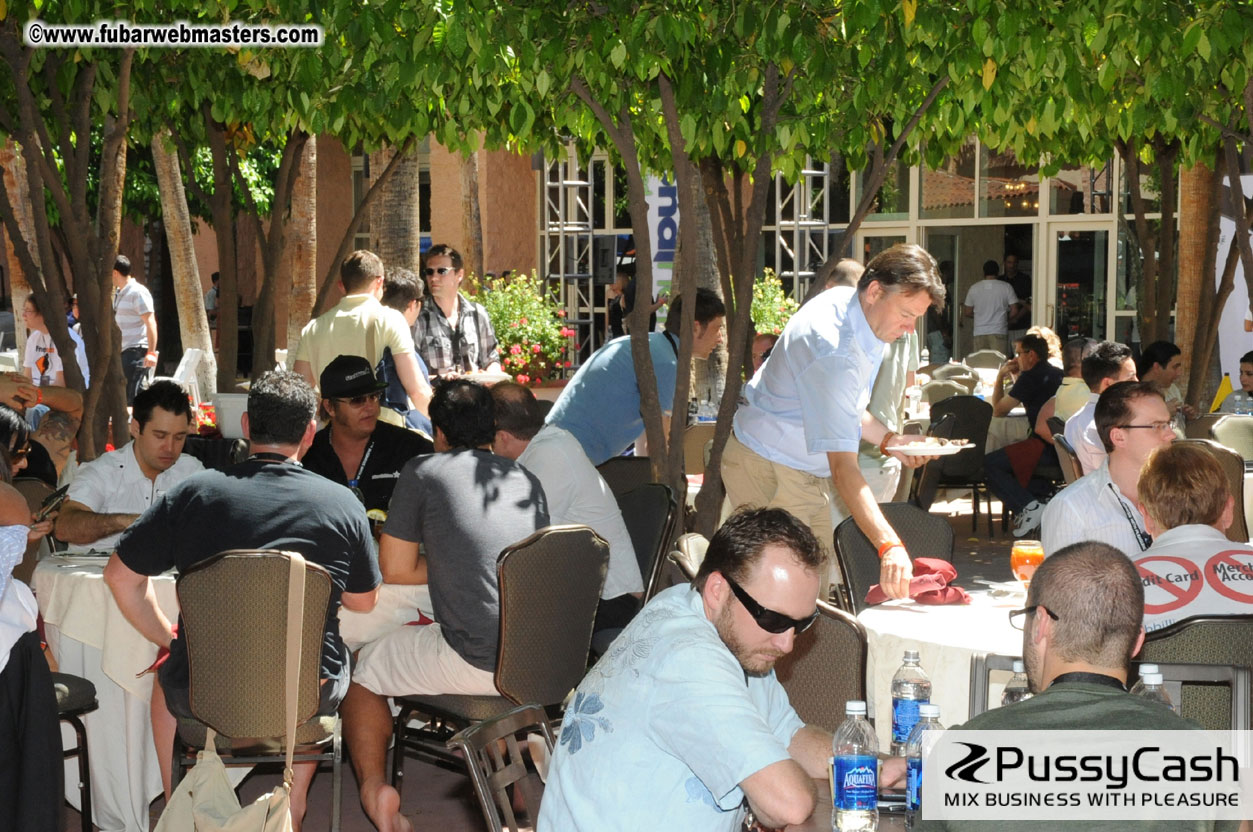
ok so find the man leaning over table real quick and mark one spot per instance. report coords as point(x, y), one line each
point(266, 502)
point(110, 492)
point(798, 432)
point(1081, 626)
point(682, 724)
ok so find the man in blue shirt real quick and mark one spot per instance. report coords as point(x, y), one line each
point(799, 431)
point(683, 722)
point(601, 404)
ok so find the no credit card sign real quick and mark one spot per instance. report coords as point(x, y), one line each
point(1169, 582)
point(1231, 574)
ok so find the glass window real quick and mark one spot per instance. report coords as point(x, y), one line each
point(873, 245)
point(892, 201)
point(621, 205)
point(949, 191)
point(839, 198)
point(1081, 190)
point(1130, 265)
point(1082, 269)
point(1007, 188)
point(599, 169)
point(1150, 189)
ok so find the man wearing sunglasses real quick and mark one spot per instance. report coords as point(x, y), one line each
point(453, 333)
point(682, 723)
point(1132, 422)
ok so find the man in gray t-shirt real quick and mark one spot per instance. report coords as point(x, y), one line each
point(464, 505)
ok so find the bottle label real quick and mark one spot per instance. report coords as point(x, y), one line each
point(856, 778)
point(904, 717)
point(913, 785)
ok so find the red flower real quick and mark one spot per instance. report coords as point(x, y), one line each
point(535, 348)
point(561, 313)
point(515, 349)
point(523, 321)
point(523, 379)
point(567, 364)
point(514, 325)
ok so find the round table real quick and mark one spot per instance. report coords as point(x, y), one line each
point(946, 637)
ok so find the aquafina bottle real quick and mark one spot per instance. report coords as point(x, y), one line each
point(1018, 687)
point(855, 772)
point(928, 720)
point(910, 688)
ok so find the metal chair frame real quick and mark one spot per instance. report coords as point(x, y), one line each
point(493, 770)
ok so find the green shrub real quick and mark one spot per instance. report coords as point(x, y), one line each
point(771, 307)
point(530, 325)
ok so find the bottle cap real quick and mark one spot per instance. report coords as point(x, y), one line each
point(1019, 667)
point(928, 711)
point(854, 707)
point(1152, 678)
point(911, 655)
point(1148, 668)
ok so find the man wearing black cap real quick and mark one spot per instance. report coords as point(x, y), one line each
point(356, 449)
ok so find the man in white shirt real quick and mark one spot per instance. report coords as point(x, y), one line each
point(798, 433)
point(576, 493)
point(1107, 363)
point(110, 492)
point(1132, 421)
point(1191, 568)
point(991, 302)
point(133, 310)
point(42, 362)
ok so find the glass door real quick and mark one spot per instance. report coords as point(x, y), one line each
point(1080, 276)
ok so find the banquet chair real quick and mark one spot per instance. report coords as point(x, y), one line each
point(965, 470)
point(826, 668)
point(650, 513)
point(1235, 431)
point(681, 563)
point(1233, 467)
point(948, 370)
point(623, 473)
point(34, 490)
point(981, 667)
point(924, 535)
point(549, 585)
point(77, 696)
point(493, 756)
point(216, 453)
point(1199, 428)
point(985, 359)
point(1208, 639)
point(938, 391)
point(1196, 689)
point(234, 612)
point(926, 482)
point(1072, 469)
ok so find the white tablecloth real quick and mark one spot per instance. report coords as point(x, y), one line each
point(946, 638)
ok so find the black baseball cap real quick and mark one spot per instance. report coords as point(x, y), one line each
point(348, 375)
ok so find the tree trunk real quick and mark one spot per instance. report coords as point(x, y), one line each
point(223, 213)
point(303, 257)
point(193, 322)
point(395, 231)
point(471, 215)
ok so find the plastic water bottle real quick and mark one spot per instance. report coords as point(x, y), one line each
point(1153, 689)
point(855, 772)
point(1017, 689)
point(1138, 688)
point(910, 688)
point(928, 720)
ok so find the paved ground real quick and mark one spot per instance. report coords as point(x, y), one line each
point(438, 799)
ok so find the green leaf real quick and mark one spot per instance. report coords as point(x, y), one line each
point(542, 82)
point(618, 55)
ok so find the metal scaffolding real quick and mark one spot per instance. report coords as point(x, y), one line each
point(568, 249)
point(802, 213)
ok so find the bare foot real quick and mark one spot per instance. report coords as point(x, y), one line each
point(382, 804)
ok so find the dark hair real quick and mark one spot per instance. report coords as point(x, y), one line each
point(708, 307)
point(444, 250)
point(1114, 407)
point(6, 467)
point(1103, 360)
point(1096, 593)
point(737, 545)
point(122, 265)
point(1247, 358)
point(215, 277)
point(14, 432)
point(281, 404)
point(1072, 354)
point(517, 411)
point(167, 395)
point(1158, 352)
point(907, 268)
point(359, 270)
point(464, 412)
point(1036, 344)
point(991, 268)
point(402, 287)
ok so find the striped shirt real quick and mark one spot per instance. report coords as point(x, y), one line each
point(470, 346)
point(130, 304)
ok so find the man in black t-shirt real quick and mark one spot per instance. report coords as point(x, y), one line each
point(267, 502)
point(355, 449)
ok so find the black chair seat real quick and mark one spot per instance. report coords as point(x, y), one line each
point(74, 693)
point(309, 736)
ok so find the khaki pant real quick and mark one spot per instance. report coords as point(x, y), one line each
point(752, 480)
point(992, 342)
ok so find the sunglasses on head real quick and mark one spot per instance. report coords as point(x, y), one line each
point(358, 401)
point(441, 270)
point(769, 620)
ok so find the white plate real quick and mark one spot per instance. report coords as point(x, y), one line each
point(483, 377)
point(929, 450)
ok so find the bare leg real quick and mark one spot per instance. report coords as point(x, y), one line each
point(302, 776)
point(163, 728)
point(367, 728)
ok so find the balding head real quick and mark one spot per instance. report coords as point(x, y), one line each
point(846, 273)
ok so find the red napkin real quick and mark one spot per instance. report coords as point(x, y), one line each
point(421, 621)
point(1024, 456)
point(162, 654)
point(930, 585)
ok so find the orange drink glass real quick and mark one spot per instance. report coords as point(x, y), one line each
point(1024, 558)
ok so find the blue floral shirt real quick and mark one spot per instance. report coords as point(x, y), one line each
point(664, 729)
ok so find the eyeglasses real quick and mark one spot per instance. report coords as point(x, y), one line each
point(440, 270)
point(769, 620)
point(359, 401)
point(1017, 618)
point(20, 453)
point(1160, 427)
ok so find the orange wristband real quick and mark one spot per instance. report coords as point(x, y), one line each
point(883, 550)
point(40, 398)
point(884, 442)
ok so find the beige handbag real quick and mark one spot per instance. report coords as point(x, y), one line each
point(204, 800)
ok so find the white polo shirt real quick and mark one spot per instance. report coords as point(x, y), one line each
point(807, 399)
point(115, 484)
point(1092, 508)
point(1183, 571)
point(1082, 435)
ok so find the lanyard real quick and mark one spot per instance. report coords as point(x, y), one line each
point(1142, 537)
point(670, 341)
point(352, 483)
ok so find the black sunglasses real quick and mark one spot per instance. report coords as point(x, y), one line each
point(358, 401)
point(769, 620)
point(1017, 618)
point(439, 270)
